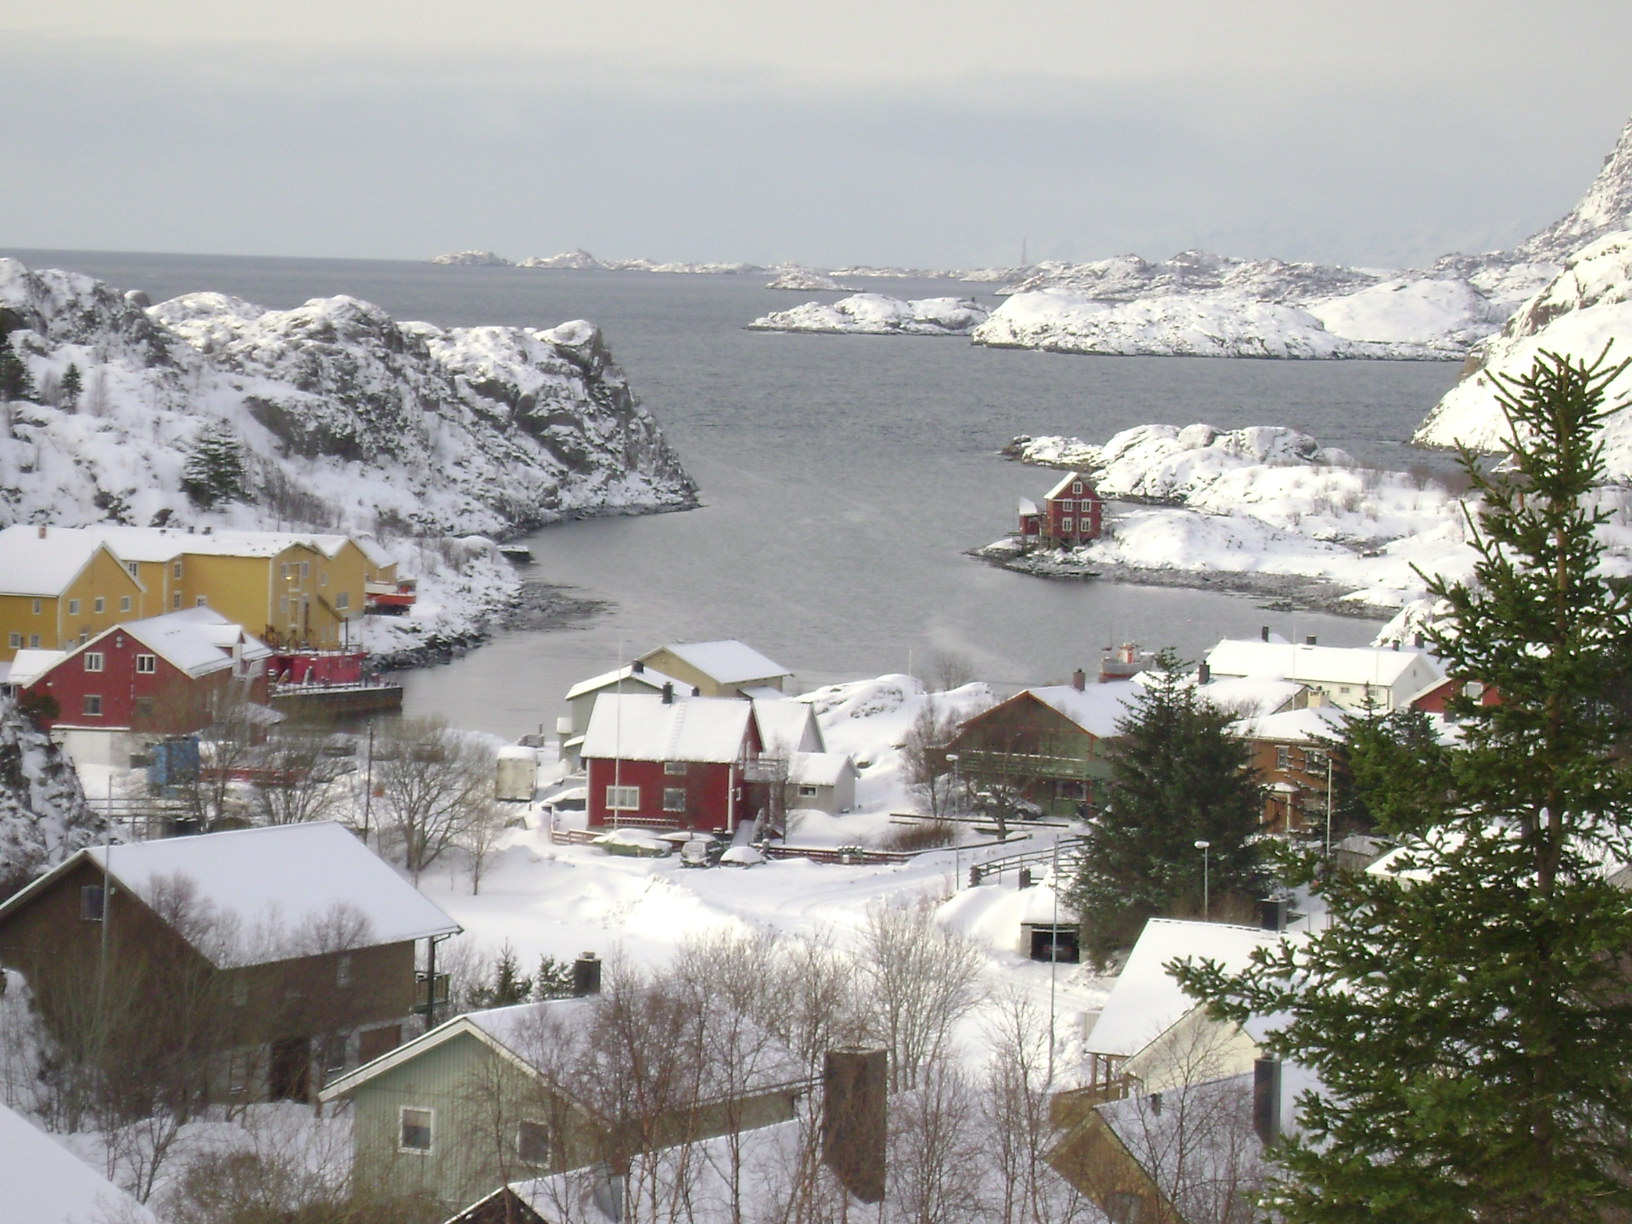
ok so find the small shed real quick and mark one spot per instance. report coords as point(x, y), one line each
point(1049, 925)
point(516, 774)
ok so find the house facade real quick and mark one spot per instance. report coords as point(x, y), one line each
point(163, 675)
point(1049, 744)
point(1072, 513)
point(664, 761)
point(719, 669)
point(59, 587)
point(1354, 678)
point(1290, 758)
point(253, 963)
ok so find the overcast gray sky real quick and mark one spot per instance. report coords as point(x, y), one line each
point(940, 134)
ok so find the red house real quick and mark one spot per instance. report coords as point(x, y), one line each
point(1073, 513)
point(658, 760)
point(160, 676)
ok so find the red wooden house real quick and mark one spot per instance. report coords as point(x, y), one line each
point(1073, 513)
point(658, 760)
point(160, 676)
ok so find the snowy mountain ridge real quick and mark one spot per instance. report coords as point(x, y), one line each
point(345, 418)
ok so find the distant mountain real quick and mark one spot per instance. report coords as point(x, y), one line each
point(337, 415)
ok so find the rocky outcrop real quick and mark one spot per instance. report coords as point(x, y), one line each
point(43, 814)
point(873, 314)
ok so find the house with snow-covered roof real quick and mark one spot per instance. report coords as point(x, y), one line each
point(720, 669)
point(1349, 677)
point(1291, 759)
point(59, 586)
point(667, 761)
point(162, 675)
point(534, 1089)
point(1072, 513)
point(267, 958)
point(633, 677)
point(1051, 744)
point(42, 1181)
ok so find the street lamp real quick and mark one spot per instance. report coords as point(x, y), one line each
point(1204, 846)
point(957, 851)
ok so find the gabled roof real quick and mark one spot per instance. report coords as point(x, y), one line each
point(151, 544)
point(643, 727)
point(1096, 708)
point(44, 561)
point(29, 665)
point(820, 768)
point(1146, 1001)
point(654, 680)
point(1312, 725)
point(788, 723)
point(195, 641)
point(40, 1180)
point(727, 662)
point(1328, 664)
point(274, 893)
point(1061, 489)
point(1250, 696)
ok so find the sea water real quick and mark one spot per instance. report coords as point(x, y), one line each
point(843, 478)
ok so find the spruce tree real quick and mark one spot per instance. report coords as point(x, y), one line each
point(15, 383)
point(1178, 776)
point(1469, 1022)
point(72, 385)
point(214, 471)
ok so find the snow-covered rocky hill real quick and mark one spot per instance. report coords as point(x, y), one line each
point(1585, 309)
point(874, 314)
point(43, 814)
point(1207, 305)
point(339, 416)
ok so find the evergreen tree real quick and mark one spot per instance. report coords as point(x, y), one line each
point(1178, 776)
point(72, 385)
point(15, 383)
point(214, 471)
point(509, 986)
point(1471, 1027)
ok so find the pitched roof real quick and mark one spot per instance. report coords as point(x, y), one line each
point(1146, 1001)
point(43, 561)
point(1097, 708)
point(1330, 664)
point(43, 1181)
point(643, 727)
point(1307, 726)
point(1059, 490)
point(789, 723)
point(645, 675)
point(277, 892)
point(727, 662)
point(819, 768)
point(196, 641)
point(29, 665)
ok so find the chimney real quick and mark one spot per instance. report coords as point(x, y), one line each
point(1266, 1099)
point(695, 691)
point(1418, 641)
point(586, 975)
point(42, 532)
point(1204, 674)
point(1079, 680)
point(668, 694)
point(1310, 640)
point(1155, 1104)
point(853, 1119)
point(1272, 913)
point(636, 667)
point(1263, 633)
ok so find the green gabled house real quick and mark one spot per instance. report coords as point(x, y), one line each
point(521, 1092)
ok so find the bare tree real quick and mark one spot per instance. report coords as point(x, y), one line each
point(479, 837)
point(299, 781)
point(920, 979)
point(433, 781)
point(923, 756)
point(935, 1157)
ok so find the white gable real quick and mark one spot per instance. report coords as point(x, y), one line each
point(643, 727)
point(727, 662)
point(278, 888)
point(786, 723)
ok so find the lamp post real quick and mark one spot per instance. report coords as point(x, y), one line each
point(1204, 846)
point(957, 851)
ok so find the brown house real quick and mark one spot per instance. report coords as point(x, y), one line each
point(1290, 757)
point(244, 965)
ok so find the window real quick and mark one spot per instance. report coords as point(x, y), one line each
point(675, 767)
point(92, 899)
point(240, 990)
point(533, 1143)
point(175, 600)
point(16, 641)
point(323, 578)
point(806, 792)
point(305, 569)
point(93, 705)
point(124, 603)
point(674, 798)
point(332, 1055)
point(342, 971)
point(201, 601)
point(343, 599)
point(1066, 525)
point(36, 607)
point(99, 604)
point(283, 603)
point(94, 660)
point(133, 569)
point(416, 1129)
point(283, 570)
point(146, 707)
point(146, 664)
point(623, 798)
point(33, 641)
point(1283, 757)
point(175, 570)
point(1076, 487)
point(238, 1065)
point(73, 607)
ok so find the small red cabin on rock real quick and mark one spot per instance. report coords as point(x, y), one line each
point(1073, 513)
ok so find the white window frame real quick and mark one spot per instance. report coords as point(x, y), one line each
point(73, 607)
point(175, 600)
point(175, 570)
point(201, 601)
point(95, 660)
point(133, 568)
point(93, 902)
point(16, 641)
point(342, 600)
point(99, 605)
point(1067, 526)
point(623, 798)
point(33, 641)
point(124, 603)
point(147, 665)
point(1283, 756)
point(678, 768)
point(37, 606)
point(429, 1128)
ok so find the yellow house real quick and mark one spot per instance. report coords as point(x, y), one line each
point(719, 669)
point(60, 587)
point(289, 589)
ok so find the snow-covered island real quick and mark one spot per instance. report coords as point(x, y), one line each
point(1267, 511)
point(810, 281)
point(470, 259)
point(874, 314)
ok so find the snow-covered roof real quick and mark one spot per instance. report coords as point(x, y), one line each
point(29, 665)
point(1146, 1001)
point(279, 892)
point(727, 662)
point(1043, 906)
point(643, 727)
point(42, 561)
point(1328, 664)
point(819, 768)
point(41, 1181)
point(1062, 489)
point(167, 543)
point(1027, 506)
point(1097, 708)
point(654, 679)
point(1250, 695)
point(787, 723)
point(1312, 725)
point(196, 641)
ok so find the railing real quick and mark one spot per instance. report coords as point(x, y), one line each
point(1066, 851)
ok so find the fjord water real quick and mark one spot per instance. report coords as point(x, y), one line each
point(842, 477)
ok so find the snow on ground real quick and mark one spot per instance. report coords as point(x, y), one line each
point(874, 314)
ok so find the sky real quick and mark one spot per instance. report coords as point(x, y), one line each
point(904, 132)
